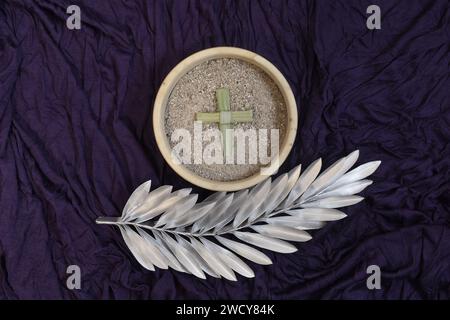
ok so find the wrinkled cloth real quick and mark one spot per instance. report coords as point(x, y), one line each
point(76, 139)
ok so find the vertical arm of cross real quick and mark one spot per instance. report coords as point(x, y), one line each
point(223, 105)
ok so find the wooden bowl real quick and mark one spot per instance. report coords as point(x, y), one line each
point(185, 66)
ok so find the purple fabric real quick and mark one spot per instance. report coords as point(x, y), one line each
point(76, 139)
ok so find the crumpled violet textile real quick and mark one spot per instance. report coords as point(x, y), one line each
point(76, 139)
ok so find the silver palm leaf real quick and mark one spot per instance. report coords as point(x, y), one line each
point(171, 229)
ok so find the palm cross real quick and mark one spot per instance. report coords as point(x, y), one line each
point(224, 117)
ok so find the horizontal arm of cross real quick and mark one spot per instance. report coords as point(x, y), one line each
point(236, 116)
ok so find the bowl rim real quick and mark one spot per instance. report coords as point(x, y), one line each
point(185, 66)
